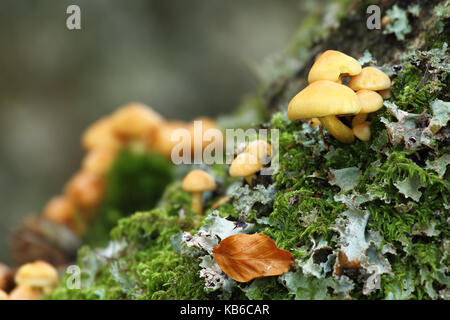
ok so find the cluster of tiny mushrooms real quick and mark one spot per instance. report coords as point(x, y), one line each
point(326, 97)
point(32, 281)
point(322, 102)
point(134, 125)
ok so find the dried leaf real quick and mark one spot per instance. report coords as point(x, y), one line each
point(245, 257)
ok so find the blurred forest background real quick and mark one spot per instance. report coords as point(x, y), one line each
point(183, 58)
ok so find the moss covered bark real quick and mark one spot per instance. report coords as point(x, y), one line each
point(385, 200)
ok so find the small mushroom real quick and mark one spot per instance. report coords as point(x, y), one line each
point(325, 100)
point(198, 140)
point(3, 295)
point(386, 93)
point(23, 292)
point(100, 135)
point(362, 131)
point(332, 65)
point(370, 101)
point(245, 165)
point(163, 142)
point(39, 274)
point(85, 190)
point(196, 182)
point(359, 118)
point(260, 149)
point(135, 121)
point(98, 161)
point(370, 78)
point(62, 211)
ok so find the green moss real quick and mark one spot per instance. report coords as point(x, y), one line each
point(135, 182)
point(406, 203)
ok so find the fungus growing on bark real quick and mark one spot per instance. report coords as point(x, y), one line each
point(370, 78)
point(325, 100)
point(39, 275)
point(100, 136)
point(245, 165)
point(196, 182)
point(333, 65)
point(99, 160)
point(260, 149)
point(135, 121)
point(62, 211)
point(362, 131)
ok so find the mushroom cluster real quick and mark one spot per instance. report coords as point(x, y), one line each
point(251, 161)
point(246, 164)
point(134, 125)
point(326, 98)
point(32, 281)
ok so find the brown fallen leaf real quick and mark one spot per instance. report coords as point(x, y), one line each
point(248, 256)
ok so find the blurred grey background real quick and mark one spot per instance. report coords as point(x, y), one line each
point(184, 58)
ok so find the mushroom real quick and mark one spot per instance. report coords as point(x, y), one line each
point(163, 142)
point(260, 149)
point(245, 165)
point(362, 131)
point(98, 161)
point(135, 121)
point(100, 135)
point(325, 100)
point(22, 292)
point(370, 78)
point(39, 274)
point(359, 118)
point(61, 210)
point(333, 65)
point(85, 190)
point(370, 100)
point(198, 141)
point(3, 295)
point(386, 93)
point(196, 182)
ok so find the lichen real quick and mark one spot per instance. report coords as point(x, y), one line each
point(383, 202)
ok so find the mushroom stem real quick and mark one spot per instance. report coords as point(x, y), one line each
point(196, 202)
point(337, 129)
point(249, 179)
point(358, 119)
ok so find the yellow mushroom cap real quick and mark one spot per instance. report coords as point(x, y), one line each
point(23, 292)
point(135, 120)
point(3, 295)
point(370, 78)
point(323, 98)
point(100, 135)
point(331, 65)
point(199, 140)
point(60, 211)
point(163, 142)
point(245, 164)
point(362, 131)
point(259, 148)
point(85, 189)
point(99, 160)
point(37, 274)
point(198, 181)
point(370, 100)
